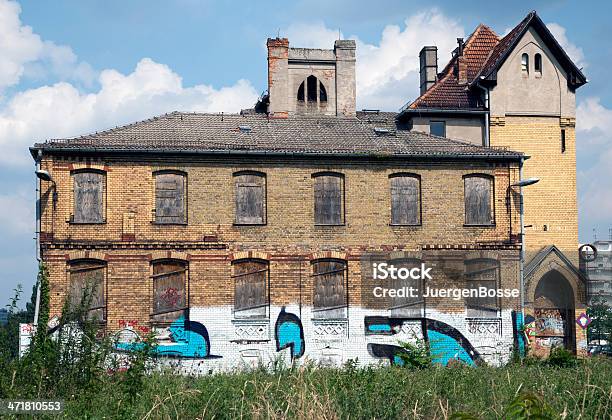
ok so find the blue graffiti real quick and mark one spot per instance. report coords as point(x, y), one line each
point(445, 342)
point(189, 339)
point(289, 333)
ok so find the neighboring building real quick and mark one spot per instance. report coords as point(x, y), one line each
point(518, 91)
point(599, 273)
point(239, 237)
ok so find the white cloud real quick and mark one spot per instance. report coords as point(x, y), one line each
point(61, 110)
point(574, 52)
point(24, 53)
point(388, 71)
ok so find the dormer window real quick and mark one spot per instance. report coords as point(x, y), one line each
point(312, 91)
point(525, 64)
point(537, 64)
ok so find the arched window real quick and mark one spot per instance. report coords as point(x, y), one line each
point(478, 194)
point(170, 202)
point(537, 64)
point(250, 198)
point(328, 198)
point(170, 285)
point(312, 91)
point(405, 199)
point(87, 288)
point(482, 273)
point(330, 297)
point(89, 196)
point(525, 64)
point(251, 279)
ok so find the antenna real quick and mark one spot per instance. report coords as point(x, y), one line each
point(594, 234)
point(339, 34)
point(610, 234)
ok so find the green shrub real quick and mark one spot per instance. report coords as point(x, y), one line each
point(415, 356)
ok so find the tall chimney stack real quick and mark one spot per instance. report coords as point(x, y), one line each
point(461, 63)
point(429, 67)
point(345, 77)
point(278, 77)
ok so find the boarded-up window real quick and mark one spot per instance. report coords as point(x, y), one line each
point(250, 198)
point(330, 289)
point(328, 199)
point(170, 197)
point(407, 306)
point(89, 197)
point(478, 200)
point(87, 288)
point(482, 273)
point(169, 290)
point(405, 200)
point(250, 289)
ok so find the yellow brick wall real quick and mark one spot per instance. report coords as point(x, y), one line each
point(550, 205)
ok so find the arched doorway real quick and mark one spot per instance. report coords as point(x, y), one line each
point(554, 313)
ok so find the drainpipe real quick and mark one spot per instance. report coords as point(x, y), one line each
point(38, 229)
point(487, 140)
point(522, 264)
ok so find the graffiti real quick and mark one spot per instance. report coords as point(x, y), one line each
point(549, 322)
point(170, 297)
point(549, 342)
point(289, 333)
point(189, 340)
point(445, 342)
point(387, 351)
point(133, 324)
point(520, 340)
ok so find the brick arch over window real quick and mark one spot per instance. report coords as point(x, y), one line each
point(87, 287)
point(170, 290)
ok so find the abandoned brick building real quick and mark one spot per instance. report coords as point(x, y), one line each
point(242, 237)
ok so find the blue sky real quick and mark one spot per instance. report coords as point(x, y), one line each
point(71, 67)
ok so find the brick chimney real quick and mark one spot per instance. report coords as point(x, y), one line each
point(461, 63)
point(278, 77)
point(428, 58)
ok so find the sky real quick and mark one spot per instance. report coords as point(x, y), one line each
point(72, 67)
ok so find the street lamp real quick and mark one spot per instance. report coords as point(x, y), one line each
point(523, 183)
point(46, 176)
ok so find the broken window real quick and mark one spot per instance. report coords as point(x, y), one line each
point(322, 93)
point(405, 199)
point(312, 90)
point(250, 198)
point(482, 273)
point(407, 306)
point(169, 290)
point(478, 200)
point(328, 199)
point(170, 203)
point(89, 196)
point(87, 288)
point(330, 299)
point(537, 64)
point(250, 288)
point(525, 63)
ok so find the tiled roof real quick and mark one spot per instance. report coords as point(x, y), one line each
point(447, 92)
point(368, 134)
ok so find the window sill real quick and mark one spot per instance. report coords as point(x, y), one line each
point(71, 222)
point(168, 224)
point(479, 226)
point(334, 225)
point(249, 224)
point(399, 225)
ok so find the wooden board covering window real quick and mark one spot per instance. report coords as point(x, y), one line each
point(250, 199)
point(328, 199)
point(88, 197)
point(250, 289)
point(482, 273)
point(405, 200)
point(87, 288)
point(170, 198)
point(169, 290)
point(478, 200)
point(330, 294)
point(407, 306)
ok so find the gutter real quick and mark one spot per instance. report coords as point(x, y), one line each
point(38, 229)
point(371, 155)
point(487, 139)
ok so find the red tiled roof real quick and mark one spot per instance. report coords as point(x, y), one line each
point(447, 92)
